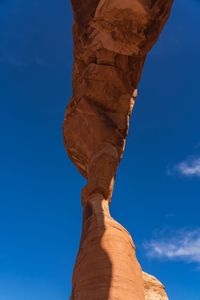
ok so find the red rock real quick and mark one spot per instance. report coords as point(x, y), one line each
point(106, 266)
point(111, 41)
point(154, 289)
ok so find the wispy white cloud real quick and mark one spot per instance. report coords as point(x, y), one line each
point(190, 167)
point(8, 58)
point(179, 245)
point(187, 168)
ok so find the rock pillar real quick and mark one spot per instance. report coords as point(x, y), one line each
point(106, 266)
point(111, 41)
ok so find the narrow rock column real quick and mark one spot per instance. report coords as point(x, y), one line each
point(111, 41)
point(106, 266)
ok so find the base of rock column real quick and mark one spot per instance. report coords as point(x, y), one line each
point(106, 267)
point(154, 289)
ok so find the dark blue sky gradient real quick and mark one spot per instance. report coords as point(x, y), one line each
point(40, 211)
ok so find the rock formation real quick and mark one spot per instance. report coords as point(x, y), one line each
point(154, 290)
point(111, 41)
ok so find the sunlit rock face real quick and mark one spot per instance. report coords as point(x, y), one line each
point(106, 265)
point(154, 289)
point(111, 41)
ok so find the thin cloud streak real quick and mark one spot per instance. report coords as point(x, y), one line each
point(10, 58)
point(5, 57)
point(187, 168)
point(181, 245)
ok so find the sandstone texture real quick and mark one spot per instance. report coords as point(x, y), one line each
point(154, 289)
point(106, 266)
point(111, 42)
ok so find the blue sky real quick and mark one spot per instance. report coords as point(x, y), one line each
point(157, 191)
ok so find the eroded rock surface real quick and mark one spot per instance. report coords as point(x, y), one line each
point(154, 289)
point(106, 266)
point(111, 41)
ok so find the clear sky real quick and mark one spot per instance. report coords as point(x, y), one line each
point(157, 191)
